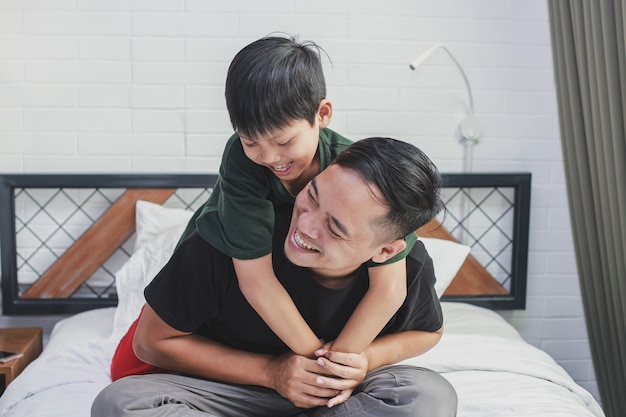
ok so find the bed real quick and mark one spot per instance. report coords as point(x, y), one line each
point(495, 372)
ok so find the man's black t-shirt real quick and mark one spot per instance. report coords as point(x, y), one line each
point(197, 291)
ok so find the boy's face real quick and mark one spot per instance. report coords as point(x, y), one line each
point(333, 227)
point(290, 152)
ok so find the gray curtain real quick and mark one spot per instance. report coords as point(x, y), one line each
point(588, 42)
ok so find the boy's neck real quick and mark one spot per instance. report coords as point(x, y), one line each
point(295, 186)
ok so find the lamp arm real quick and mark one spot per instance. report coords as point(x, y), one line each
point(420, 60)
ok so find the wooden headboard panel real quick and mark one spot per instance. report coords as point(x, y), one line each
point(63, 237)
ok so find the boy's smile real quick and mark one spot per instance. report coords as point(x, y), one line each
point(290, 152)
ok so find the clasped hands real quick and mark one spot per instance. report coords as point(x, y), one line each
point(327, 379)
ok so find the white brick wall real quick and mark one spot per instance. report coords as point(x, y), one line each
point(137, 86)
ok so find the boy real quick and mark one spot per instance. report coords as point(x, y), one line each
point(275, 94)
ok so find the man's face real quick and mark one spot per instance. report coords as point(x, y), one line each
point(333, 227)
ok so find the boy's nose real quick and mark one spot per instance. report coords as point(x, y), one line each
point(269, 157)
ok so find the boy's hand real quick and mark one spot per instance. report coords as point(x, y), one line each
point(296, 378)
point(344, 372)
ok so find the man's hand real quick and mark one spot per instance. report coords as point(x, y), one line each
point(345, 372)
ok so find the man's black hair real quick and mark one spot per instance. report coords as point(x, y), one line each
point(409, 181)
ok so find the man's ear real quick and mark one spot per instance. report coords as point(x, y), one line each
point(325, 113)
point(389, 250)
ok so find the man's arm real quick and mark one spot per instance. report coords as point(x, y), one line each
point(292, 376)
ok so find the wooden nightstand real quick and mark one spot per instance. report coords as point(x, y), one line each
point(28, 341)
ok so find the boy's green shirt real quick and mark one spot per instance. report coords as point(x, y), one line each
point(238, 218)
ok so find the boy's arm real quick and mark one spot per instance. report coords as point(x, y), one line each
point(386, 293)
point(270, 300)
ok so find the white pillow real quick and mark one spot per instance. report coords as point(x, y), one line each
point(153, 219)
point(448, 257)
point(136, 273)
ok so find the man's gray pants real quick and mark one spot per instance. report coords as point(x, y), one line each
point(399, 390)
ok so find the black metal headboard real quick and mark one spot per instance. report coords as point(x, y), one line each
point(43, 215)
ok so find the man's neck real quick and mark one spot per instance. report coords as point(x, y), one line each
point(334, 282)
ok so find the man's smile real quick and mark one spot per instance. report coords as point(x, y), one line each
point(301, 243)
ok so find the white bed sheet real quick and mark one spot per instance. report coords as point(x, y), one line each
point(493, 370)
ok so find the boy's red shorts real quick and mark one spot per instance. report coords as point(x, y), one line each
point(125, 362)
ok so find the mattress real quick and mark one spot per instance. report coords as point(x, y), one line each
point(494, 371)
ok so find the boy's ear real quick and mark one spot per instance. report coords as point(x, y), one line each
point(389, 250)
point(325, 112)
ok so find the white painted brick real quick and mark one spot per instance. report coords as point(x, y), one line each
point(317, 27)
point(76, 120)
point(11, 143)
point(276, 6)
point(158, 49)
point(562, 306)
point(483, 9)
point(158, 24)
point(131, 144)
point(554, 240)
point(556, 285)
point(163, 97)
point(64, 23)
point(48, 144)
point(177, 165)
point(143, 5)
point(86, 72)
point(365, 123)
point(529, 56)
point(562, 263)
point(38, 95)
point(531, 103)
point(10, 22)
point(104, 95)
point(210, 145)
point(529, 9)
point(211, 24)
point(38, 4)
point(104, 48)
point(213, 49)
point(77, 164)
point(39, 47)
point(381, 99)
point(167, 121)
point(11, 163)
point(559, 219)
point(10, 119)
point(12, 71)
point(179, 73)
point(212, 121)
point(205, 97)
point(566, 329)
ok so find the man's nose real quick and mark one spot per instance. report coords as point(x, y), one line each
point(308, 225)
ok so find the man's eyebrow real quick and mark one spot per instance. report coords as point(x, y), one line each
point(342, 228)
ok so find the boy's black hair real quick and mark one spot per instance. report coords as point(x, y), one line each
point(409, 181)
point(273, 82)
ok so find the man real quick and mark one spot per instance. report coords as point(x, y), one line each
point(197, 323)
